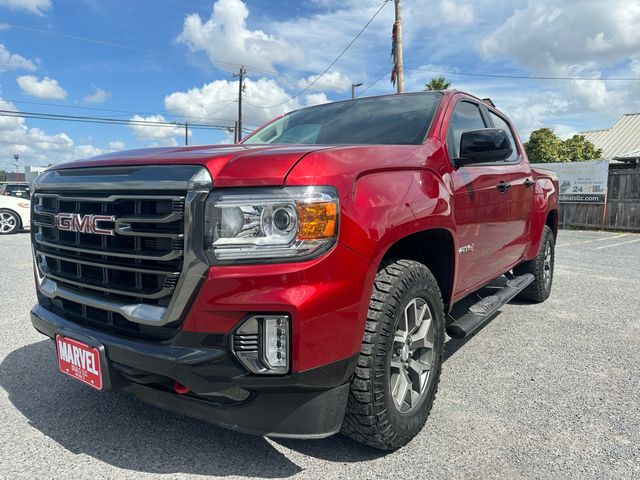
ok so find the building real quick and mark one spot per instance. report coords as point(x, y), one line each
point(619, 141)
point(29, 175)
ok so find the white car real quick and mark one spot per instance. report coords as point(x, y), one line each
point(14, 214)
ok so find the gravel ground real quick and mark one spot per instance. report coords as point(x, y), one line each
point(543, 391)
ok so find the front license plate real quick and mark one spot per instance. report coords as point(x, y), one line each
point(79, 361)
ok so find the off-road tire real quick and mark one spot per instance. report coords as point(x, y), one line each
point(540, 289)
point(372, 417)
point(16, 219)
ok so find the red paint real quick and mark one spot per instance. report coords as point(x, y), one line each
point(386, 193)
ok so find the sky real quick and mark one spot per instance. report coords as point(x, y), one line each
point(173, 60)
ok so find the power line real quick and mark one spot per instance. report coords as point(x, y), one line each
point(128, 112)
point(310, 84)
point(105, 120)
point(362, 92)
point(166, 59)
point(522, 77)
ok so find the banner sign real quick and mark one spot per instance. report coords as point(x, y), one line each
point(580, 182)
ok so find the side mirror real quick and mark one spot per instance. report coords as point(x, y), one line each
point(484, 145)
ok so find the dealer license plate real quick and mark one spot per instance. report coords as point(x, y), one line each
point(79, 361)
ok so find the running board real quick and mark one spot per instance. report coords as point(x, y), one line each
point(483, 310)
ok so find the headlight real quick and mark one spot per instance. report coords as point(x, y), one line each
point(270, 224)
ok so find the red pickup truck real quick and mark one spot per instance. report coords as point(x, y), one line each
point(300, 283)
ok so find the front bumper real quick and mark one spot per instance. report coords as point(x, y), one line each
point(308, 404)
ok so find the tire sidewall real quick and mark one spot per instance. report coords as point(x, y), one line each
point(547, 240)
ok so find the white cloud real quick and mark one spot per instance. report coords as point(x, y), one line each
point(45, 88)
point(454, 13)
point(567, 37)
point(156, 135)
point(13, 61)
point(98, 96)
point(216, 102)
point(336, 81)
point(316, 99)
point(33, 6)
point(35, 146)
point(226, 38)
point(116, 145)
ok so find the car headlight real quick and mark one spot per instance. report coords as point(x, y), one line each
point(270, 224)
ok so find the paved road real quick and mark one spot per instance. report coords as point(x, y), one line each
point(543, 391)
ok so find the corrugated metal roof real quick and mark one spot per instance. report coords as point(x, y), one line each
point(618, 140)
point(633, 155)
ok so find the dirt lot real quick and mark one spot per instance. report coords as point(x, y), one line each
point(543, 391)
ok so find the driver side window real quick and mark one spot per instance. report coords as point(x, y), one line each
point(465, 116)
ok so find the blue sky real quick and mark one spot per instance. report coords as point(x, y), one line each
point(173, 60)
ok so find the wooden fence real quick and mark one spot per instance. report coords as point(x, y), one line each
point(621, 212)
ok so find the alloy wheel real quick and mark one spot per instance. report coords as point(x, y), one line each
point(548, 256)
point(412, 355)
point(8, 222)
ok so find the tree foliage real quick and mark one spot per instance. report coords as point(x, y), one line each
point(544, 146)
point(439, 83)
point(3, 176)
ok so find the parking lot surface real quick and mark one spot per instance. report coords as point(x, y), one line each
point(543, 391)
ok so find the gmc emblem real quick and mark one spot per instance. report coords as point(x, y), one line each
point(75, 222)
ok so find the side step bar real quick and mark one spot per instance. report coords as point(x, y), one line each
point(483, 310)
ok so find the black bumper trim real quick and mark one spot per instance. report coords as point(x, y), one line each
point(308, 404)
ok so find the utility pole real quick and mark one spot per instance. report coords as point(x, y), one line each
point(186, 132)
point(16, 157)
point(240, 75)
point(353, 89)
point(398, 48)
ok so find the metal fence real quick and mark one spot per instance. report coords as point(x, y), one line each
point(621, 212)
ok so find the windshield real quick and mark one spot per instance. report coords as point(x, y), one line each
point(388, 120)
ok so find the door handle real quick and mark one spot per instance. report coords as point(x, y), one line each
point(528, 182)
point(503, 187)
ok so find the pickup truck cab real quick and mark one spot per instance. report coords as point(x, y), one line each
point(297, 284)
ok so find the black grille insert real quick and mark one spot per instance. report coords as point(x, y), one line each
point(140, 264)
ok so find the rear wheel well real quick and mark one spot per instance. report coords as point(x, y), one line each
point(433, 248)
point(552, 222)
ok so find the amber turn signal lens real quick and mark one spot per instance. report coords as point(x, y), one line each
point(317, 220)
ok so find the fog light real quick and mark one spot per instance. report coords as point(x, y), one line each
point(276, 343)
point(261, 343)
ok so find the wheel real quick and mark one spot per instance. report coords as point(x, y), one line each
point(542, 269)
point(398, 369)
point(9, 222)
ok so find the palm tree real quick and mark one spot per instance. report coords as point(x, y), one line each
point(439, 83)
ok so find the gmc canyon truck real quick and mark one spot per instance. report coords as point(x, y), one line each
point(300, 283)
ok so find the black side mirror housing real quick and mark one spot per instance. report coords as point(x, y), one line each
point(484, 145)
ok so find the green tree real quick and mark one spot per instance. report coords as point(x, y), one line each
point(3, 176)
point(439, 83)
point(578, 149)
point(544, 146)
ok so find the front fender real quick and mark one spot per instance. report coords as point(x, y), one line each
point(545, 201)
point(390, 205)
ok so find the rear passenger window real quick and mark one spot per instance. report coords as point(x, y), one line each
point(465, 116)
point(499, 122)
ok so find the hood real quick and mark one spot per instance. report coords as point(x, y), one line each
point(229, 165)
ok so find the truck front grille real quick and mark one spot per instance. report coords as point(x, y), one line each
point(124, 277)
point(140, 263)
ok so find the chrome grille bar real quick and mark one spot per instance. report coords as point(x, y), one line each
point(148, 270)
